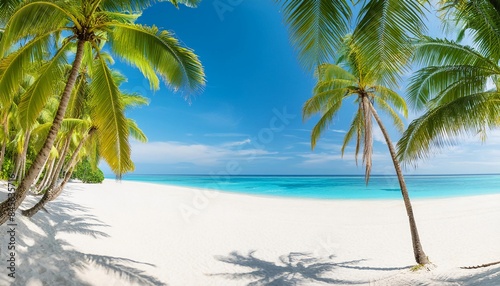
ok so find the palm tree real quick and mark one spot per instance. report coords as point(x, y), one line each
point(81, 108)
point(381, 42)
point(353, 78)
point(457, 86)
point(89, 25)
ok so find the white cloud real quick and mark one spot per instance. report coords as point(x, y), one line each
point(225, 135)
point(237, 143)
point(172, 152)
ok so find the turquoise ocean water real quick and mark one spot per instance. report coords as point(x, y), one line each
point(335, 187)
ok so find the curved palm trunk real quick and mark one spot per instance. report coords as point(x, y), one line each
point(368, 138)
point(55, 175)
point(2, 155)
point(48, 174)
point(418, 251)
point(40, 174)
point(21, 158)
point(54, 192)
point(9, 206)
point(4, 140)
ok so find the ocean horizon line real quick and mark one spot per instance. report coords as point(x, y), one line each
point(305, 175)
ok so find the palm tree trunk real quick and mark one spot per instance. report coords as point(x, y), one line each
point(368, 144)
point(4, 140)
point(418, 251)
point(9, 206)
point(48, 174)
point(60, 163)
point(18, 174)
point(54, 192)
point(2, 154)
point(40, 173)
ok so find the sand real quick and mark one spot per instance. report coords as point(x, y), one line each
point(128, 233)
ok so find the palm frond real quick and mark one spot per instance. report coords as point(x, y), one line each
point(429, 82)
point(442, 125)
point(126, 18)
point(77, 102)
point(13, 67)
point(109, 118)
point(383, 35)
point(134, 100)
point(136, 132)
point(434, 52)
point(7, 7)
point(140, 5)
point(357, 128)
point(45, 86)
point(316, 27)
point(317, 103)
point(325, 120)
point(482, 20)
point(152, 50)
point(390, 96)
point(35, 18)
point(382, 104)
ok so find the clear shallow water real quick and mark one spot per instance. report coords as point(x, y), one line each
point(336, 187)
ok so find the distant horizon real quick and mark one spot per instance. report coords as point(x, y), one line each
point(307, 175)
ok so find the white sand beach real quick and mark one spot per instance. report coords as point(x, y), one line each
point(128, 233)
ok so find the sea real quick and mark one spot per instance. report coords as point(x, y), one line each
point(335, 187)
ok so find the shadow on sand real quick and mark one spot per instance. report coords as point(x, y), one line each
point(296, 268)
point(44, 259)
point(489, 276)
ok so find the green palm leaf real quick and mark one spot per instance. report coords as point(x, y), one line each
point(155, 51)
point(316, 27)
point(13, 67)
point(45, 86)
point(442, 125)
point(431, 52)
point(383, 36)
point(108, 115)
point(35, 18)
point(439, 81)
point(139, 5)
point(136, 132)
point(357, 128)
point(332, 107)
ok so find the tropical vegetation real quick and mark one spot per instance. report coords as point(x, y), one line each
point(369, 67)
point(457, 86)
point(48, 35)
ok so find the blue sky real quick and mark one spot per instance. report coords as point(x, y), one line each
point(248, 119)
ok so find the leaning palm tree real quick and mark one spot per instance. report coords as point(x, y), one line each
point(458, 86)
point(352, 78)
point(382, 37)
point(88, 25)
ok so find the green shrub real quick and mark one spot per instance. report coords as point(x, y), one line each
point(7, 169)
point(85, 173)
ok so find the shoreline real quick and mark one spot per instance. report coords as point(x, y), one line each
point(121, 230)
point(412, 196)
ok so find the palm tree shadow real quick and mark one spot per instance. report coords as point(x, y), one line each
point(489, 276)
point(42, 258)
point(295, 268)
